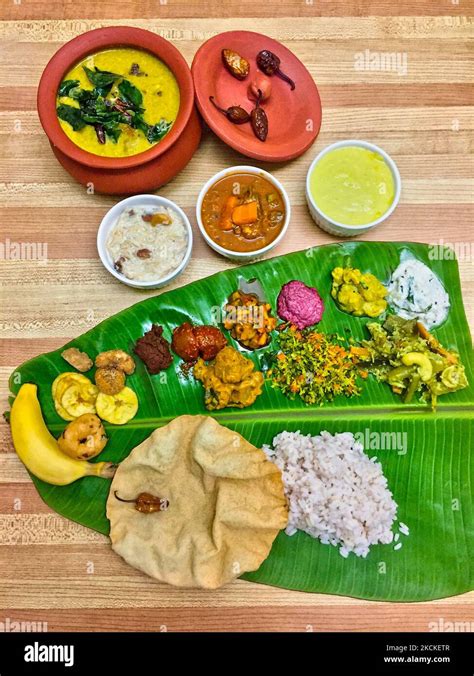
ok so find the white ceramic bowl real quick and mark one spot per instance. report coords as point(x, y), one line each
point(111, 218)
point(243, 256)
point(342, 229)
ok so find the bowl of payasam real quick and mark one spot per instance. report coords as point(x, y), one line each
point(117, 105)
point(351, 187)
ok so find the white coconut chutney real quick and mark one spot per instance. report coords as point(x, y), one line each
point(415, 292)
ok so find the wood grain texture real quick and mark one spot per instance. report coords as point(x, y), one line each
point(18, 10)
point(59, 573)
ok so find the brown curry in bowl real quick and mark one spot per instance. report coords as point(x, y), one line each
point(243, 212)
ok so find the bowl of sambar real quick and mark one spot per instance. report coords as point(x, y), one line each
point(243, 212)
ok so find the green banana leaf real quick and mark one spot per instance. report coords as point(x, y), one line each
point(430, 473)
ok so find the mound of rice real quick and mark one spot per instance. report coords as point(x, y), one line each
point(335, 492)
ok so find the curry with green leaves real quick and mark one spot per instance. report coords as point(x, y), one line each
point(118, 102)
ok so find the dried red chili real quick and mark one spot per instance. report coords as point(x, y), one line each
point(259, 120)
point(235, 64)
point(269, 63)
point(100, 132)
point(147, 503)
point(235, 114)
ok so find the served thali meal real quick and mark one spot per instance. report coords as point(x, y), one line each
point(147, 244)
point(118, 102)
point(192, 478)
point(243, 212)
point(235, 416)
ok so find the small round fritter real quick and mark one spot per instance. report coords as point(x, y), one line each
point(118, 359)
point(83, 438)
point(110, 380)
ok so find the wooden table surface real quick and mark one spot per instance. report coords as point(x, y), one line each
point(57, 572)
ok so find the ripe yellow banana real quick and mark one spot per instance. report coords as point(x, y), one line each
point(39, 450)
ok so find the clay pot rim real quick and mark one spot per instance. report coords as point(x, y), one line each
point(88, 43)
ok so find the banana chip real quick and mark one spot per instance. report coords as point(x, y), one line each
point(64, 380)
point(79, 400)
point(119, 408)
point(62, 412)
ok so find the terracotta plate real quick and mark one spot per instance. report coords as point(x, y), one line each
point(294, 116)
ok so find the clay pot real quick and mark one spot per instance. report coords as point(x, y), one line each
point(123, 175)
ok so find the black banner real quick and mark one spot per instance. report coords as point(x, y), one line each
point(153, 653)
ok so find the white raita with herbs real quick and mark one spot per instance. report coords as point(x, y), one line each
point(415, 292)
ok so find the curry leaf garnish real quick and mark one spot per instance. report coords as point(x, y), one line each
point(72, 115)
point(112, 130)
point(153, 132)
point(101, 78)
point(130, 94)
point(103, 90)
point(66, 86)
point(157, 131)
point(106, 107)
point(81, 95)
point(139, 123)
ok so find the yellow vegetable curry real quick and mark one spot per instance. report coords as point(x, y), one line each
point(160, 99)
point(230, 380)
point(359, 294)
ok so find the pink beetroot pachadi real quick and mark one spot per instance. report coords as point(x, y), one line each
point(300, 304)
